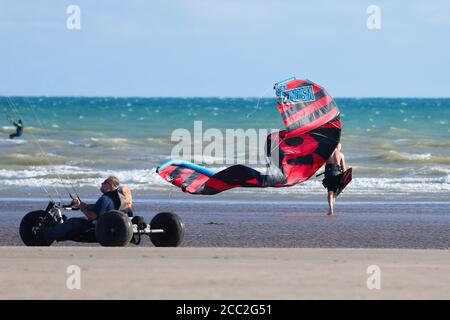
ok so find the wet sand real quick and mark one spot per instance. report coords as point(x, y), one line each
point(222, 273)
point(212, 222)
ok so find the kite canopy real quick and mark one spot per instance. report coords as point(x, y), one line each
point(313, 130)
point(304, 105)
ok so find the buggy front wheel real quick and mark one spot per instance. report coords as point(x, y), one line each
point(172, 230)
point(32, 228)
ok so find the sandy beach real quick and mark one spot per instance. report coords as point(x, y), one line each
point(245, 249)
point(223, 273)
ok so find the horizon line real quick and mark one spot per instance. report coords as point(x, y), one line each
point(212, 97)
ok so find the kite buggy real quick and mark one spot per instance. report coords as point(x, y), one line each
point(113, 229)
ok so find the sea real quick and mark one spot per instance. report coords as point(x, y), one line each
point(396, 146)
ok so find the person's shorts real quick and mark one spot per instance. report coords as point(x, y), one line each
point(331, 183)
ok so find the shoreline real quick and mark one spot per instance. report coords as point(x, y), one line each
point(232, 196)
point(245, 200)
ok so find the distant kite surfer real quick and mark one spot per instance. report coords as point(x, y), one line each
point(335, 165)
point(19, 129)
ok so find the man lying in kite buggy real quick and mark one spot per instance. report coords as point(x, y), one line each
point(110, 222)
point(313, 131)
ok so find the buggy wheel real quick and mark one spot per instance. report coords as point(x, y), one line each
point(32, 228)
point(173, 228)
point(114, 229)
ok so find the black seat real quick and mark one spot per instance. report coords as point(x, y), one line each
point(129, 212)
point(140, 222)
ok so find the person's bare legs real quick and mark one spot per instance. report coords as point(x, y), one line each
point(331, 198)
point(333, 201)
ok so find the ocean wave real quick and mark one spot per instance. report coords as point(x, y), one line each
point(158, 141)
point(47, 142)
point(432, 143)
point(371, 187)
point(396, 130)
point(419, 171)
point(61, 176)
point(432, 170)
point(111, 142)
point(380, 170)
point(402, 185)
point(39, 159)
point(7, 141)
point(147, 179)
point(403, 157)
point(218, 162)
point(30, 130)
point(6, 129)
point(103, 142)
point(41, 142)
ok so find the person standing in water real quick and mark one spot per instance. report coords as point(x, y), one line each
point(19, 129)
point(333, 167)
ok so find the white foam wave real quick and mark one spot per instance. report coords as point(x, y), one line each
point(8, 141)
point(395, 156)
point(147, 179)
point(60, 176)
point(425, 156)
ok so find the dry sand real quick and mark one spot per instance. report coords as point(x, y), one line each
point(223, 273)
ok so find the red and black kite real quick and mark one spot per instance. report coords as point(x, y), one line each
point(313, 130)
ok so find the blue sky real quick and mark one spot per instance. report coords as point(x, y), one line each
point(224, 48)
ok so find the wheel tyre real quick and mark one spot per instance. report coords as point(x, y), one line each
point(114, 229)
point(174, 230)
point(29, 235)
